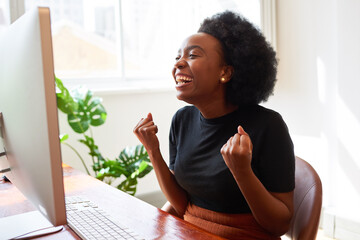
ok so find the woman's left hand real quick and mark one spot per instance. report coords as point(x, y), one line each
point(237, 152)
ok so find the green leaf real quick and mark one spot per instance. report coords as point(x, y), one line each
point(63, 137)
point(78, 122)
point(88, 97)
point(145, 169)
point(90, 111)
point(97, 114)
point(129, 186)
point(109, 169)
point(133, 163)
point(81, 107)
point(65, 102)
point(94, 149)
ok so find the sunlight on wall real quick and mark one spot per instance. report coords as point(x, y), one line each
point(315, 150)
point(347, 171)
point(321, 77)
point(310, 148)
point(348, 130)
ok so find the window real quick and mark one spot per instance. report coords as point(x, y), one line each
point(4, 16)
point(127, 41)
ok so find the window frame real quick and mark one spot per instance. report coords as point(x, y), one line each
point(109, 84)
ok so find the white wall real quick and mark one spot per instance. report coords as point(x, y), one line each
point(318, 93)
point(306, 85)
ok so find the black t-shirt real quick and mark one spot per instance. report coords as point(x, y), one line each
point(195, 157)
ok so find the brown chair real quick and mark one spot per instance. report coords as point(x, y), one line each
point(307, 202)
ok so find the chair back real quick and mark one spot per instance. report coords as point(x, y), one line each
point(307, 202)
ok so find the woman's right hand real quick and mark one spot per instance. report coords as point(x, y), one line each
point(146, 131)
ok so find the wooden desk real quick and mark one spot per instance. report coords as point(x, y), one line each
point(147, 220)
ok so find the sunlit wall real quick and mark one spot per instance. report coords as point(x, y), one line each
point(318, 93)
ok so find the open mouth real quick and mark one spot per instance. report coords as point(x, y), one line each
point(183, 79)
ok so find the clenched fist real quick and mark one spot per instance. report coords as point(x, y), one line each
point(237, 152)
point(146, 131)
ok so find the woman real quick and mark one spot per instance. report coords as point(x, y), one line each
point(231, 167)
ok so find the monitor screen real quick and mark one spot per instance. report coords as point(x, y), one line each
point(29, 114)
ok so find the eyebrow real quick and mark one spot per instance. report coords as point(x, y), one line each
point(189, 48)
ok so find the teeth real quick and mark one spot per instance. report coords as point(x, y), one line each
point(180, 83)
point(183, 79)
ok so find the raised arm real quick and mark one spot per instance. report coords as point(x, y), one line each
point(146, 131)
point(273, 211)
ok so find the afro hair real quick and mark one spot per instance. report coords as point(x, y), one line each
point(247, 51)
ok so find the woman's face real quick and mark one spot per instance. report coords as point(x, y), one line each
point(198, 69)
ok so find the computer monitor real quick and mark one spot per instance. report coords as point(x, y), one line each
point(29, 114)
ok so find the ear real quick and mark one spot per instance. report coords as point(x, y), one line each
point(226, 73)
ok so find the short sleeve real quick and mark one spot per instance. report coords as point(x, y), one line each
point(172, 143)
point(277, 159)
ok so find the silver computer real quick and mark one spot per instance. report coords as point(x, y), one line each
point(29, 128)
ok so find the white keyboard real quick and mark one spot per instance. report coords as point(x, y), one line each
point(90, 222)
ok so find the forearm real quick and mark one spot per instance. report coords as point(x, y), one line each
point(271, 213)
point(174, 193)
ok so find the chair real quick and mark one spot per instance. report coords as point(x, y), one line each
point(307, 202)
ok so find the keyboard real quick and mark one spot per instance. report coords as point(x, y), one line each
point(90, 222)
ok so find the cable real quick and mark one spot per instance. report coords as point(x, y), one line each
point(39, 233)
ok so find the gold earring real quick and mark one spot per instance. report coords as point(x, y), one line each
point(222, 79)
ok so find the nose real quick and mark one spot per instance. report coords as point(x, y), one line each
point(181, 63)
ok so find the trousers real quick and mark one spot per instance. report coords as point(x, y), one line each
point(229, 226)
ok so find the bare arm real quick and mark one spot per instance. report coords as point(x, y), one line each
point(273, 211)
point(146, 131)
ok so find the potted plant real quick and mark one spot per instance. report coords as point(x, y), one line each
point(85, 111)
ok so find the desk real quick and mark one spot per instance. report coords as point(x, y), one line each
point(149, 221)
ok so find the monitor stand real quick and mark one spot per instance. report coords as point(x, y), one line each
point(2, 149)
point(27, 225)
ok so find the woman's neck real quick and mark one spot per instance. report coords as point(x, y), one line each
point(215, 109)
